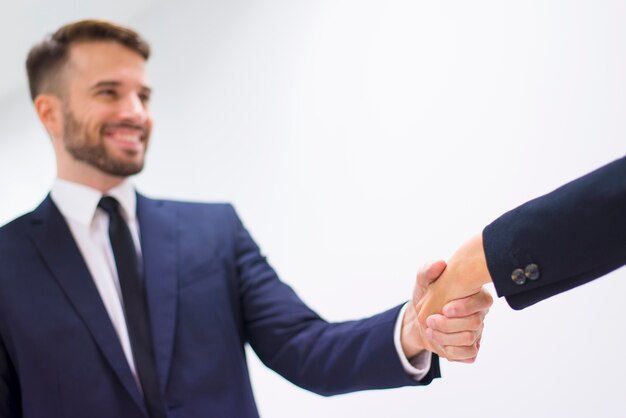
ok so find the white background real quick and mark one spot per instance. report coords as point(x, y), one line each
point(360, 139)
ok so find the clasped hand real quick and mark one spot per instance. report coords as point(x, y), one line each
point(448, 306)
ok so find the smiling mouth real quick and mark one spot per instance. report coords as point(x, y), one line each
point(125, 135)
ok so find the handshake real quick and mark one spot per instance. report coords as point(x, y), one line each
point(578, 231)
point(449, 305)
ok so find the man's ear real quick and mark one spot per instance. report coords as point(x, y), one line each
point(49, 111)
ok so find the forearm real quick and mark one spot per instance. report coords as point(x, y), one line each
point(335, 358)
point(560, 240)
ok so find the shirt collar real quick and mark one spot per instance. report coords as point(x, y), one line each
point(79, 202)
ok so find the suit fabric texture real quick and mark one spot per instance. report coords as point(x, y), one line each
point(209, 292)
point(574, 234)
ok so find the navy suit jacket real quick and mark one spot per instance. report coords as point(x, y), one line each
point(575, 234)
point(209, 291)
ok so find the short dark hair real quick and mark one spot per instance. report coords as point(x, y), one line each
point(46, 58)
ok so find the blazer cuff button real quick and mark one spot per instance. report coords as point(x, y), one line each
point(532, 272)
point(518, 276)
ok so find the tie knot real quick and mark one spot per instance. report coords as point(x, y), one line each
point(110, 205)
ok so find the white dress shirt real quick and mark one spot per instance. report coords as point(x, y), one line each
point(89, 226)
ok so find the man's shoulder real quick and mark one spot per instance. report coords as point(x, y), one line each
point(18, 225)
point(15, 235)
point(190, 209)
point(185, 204)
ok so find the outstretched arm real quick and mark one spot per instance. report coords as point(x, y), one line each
point(546, 246)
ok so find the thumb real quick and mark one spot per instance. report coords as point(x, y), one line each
point(430, 272)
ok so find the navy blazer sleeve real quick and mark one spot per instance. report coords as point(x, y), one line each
point(574, 234)
point(209, 291)
point(10, 405)
point(326, 358)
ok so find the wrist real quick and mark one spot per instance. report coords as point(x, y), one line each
point(410, 335)
point(473, 264)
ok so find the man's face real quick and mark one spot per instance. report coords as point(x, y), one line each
point(106, 121)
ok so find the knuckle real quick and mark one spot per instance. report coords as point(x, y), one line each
point(439, 323)
point(437, 337)
point(461, 353)
point(488, 299)
point(461, 307)
point(473, 351)
point(440, 351)
point(476, 322)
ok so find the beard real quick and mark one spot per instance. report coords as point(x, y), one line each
point(92, 150)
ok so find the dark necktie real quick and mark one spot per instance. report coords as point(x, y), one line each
point(135, 306)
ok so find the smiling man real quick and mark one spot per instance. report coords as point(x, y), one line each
point(116, 305)
point(95, 106)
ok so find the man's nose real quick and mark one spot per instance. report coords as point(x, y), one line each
point(134, 108)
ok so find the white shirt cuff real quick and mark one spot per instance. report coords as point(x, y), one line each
point(418, 366)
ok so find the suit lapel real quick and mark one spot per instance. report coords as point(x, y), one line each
point(159, 246)
point(54, 240)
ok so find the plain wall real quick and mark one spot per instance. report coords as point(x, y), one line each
point(360, 139)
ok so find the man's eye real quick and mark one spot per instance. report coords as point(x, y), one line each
point(145, 98)
point(107, 92)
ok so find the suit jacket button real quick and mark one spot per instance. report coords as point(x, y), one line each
point(532, 272)
point(518, 276)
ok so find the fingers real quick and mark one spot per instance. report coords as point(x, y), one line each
point(430, 272)
point(456, 334)
point(480, 301)
point(462, 354)
point(447, 325)
point(472, 359)
point(461, 339)
point(458, 338)
point(461, 347)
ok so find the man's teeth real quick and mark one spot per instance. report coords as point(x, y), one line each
point(128, 138)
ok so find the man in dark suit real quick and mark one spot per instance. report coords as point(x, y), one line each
point(116, 305)
point(544, 247)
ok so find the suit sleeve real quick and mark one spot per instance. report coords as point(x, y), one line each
point(561, 240)
point(326, 358)
point(10, 402)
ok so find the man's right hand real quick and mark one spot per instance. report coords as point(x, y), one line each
point(464, 276)
point(456, 336)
